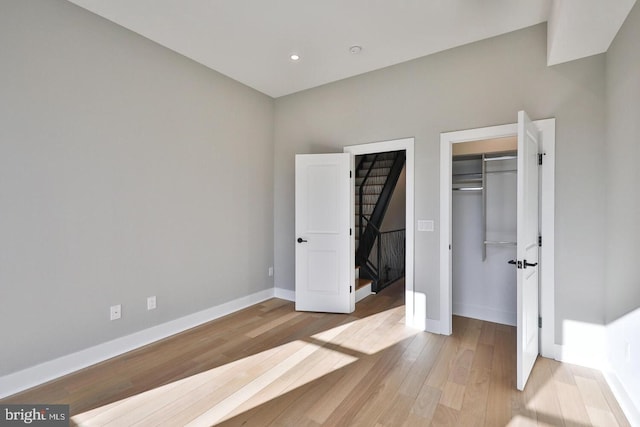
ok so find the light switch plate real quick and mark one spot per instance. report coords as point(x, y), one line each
point(425, 225)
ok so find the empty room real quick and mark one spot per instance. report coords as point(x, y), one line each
point(298, 213)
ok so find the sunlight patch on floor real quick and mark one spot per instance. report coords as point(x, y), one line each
point(370, 337)
point(226, 391)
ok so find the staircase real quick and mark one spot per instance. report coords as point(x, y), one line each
point(376, 178)
point(363, 286)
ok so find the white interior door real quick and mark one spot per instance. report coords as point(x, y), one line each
point(527, 248)
point(325, 255)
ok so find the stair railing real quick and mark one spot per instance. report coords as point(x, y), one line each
point(368, 232)
point(361, 226)
point(389, 249)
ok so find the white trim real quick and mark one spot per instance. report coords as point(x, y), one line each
point(485, 313)
point(547, 228)
point(285, 294)
point(622, 397)
point(547, 302)
point(585, 344)
point(363, 292)
point(47, 371)
point(414, 315)
point(446, 139)
point(435, 327)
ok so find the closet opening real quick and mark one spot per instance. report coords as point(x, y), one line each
point(483, 215)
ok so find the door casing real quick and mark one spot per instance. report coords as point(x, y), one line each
point(547, 226)
point(415, 309)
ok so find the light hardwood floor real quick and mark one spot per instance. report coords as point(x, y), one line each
point(270, 365)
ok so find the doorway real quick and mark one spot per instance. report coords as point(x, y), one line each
point(547, 194)
point(415, 314)
point(484, 201)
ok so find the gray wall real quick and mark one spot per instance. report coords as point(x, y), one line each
point(623, 206)
point(476, 85)
point(623, 173)
point(126, 171)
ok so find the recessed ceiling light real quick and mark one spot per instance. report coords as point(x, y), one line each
point(355, 49)
point(294, 57)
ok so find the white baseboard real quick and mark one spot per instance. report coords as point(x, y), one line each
point(585, 344)
point(47, 371)
point(626, 403)
point(363, 292)
point(435, 327)
point(285, 294)
point(484, 313)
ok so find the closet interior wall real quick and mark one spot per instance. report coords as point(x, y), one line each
point(484, 236)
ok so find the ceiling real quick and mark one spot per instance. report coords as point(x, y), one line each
point(251, 41)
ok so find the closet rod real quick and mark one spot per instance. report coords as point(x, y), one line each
point(504, 171)
point(467, 189)
point(491, 159)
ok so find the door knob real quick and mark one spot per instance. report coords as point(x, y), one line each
point(527, 264)
point(518, 264)
point(301, 240)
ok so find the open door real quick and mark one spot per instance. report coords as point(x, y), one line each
point(324, 243)
point(527, 249)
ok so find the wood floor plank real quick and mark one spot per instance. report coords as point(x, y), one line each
point(542, 395)
point(445, 417)
point(426, 403)
point(423, 366)
point(571, 404)
point(487, 333)
point(614, 406)
point(268, 365)
point(474, 406)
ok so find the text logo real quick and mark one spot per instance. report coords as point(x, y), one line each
point(34, 415)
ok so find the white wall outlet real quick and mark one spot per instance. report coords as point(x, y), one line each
point(116, 312)
point(151, 303)
point(270, 271)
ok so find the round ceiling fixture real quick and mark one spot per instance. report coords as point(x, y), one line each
point(294, 57)
point(355, 49)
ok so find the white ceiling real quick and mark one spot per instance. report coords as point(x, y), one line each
point(251, 40)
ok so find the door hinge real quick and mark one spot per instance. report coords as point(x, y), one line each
point(540, 240)
point(350, 174)
point(350, 289)
point(350, 231)
point(540, 158)
point(539, 322)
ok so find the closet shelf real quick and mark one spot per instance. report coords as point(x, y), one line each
point(491, 159)
point(467, 189)
point(494, 242)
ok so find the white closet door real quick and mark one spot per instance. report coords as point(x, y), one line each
point(527, 249)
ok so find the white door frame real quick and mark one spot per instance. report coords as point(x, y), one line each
point(414, 316)
point(547, 207)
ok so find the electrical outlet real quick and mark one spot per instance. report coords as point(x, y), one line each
point(116, 312)
point(151, 303)
point(270, 271)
